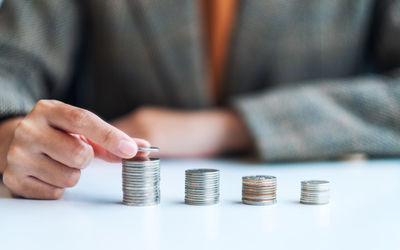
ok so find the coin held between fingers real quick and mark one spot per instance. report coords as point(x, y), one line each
point(148, 149)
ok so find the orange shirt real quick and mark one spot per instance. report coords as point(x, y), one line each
point(219, 17)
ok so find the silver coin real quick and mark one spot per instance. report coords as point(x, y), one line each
point(208, 203)
point(201, 171)
point(150, 149)
point(315, 203)
point(201, 202)
point(141, 181)
point(139, 176)
point(129, 203)
point(314, 197)
point(202, 186)
point(140, 161)
point(145, 165)
point(208, 181)
point(201, 190)
point(141, 197)
point(141, 203)
point(152, 200)
point(199, 199)
point(259, 178)
point(143, 168)
point(201, 178)
point(132, 189)
point(141, 188)
point(258, 203)
point(315, 182)
point(196, 176)
point(315, 188)
point(202, 194)
point(322, 194)
point(142, 185)
point(140, 200)
point(315, 192)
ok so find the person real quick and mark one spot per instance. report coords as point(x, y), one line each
point(290, 80)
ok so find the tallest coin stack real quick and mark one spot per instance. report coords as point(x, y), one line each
point(141, 180)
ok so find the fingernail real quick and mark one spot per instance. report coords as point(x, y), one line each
point(127, 148)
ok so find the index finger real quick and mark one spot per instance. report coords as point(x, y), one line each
point(83, 122)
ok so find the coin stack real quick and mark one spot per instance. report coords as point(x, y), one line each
point(259, 190)
point(201, 186)
point(315, 192)
point(141, 180)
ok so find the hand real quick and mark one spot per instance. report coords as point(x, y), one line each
point(188, 133)
point(54, 142)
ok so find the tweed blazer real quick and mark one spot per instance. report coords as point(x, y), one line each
point(312, 79)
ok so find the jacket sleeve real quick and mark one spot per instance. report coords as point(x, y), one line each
point(330, 118)
point(37, 44)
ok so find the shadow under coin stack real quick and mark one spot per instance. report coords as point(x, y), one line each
point(201, 186)
point(259, 190)
point(141, 180)
point(314, 192)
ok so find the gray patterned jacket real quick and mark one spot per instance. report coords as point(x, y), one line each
point(313, 79)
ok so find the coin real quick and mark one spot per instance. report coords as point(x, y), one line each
point(258, 203)
point(141, 180)
point(202, 186)
point(315, 192)
point(259, 190)
point(149, 149)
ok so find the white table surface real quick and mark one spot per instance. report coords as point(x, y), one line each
point(364, 212)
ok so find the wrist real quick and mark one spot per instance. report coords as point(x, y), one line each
point(7, 129)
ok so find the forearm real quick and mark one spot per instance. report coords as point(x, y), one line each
point(205, 133)
point(7, 128)
point(324, 120)
point(231, 131)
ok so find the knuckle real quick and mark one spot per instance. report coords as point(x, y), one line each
point(23, 130)
point(10, 180)
point(78, 116)
point(108, 136)
point(82, 154)
point(43, 105)
point(55, 193)
point(12, 154)
point(72, 177)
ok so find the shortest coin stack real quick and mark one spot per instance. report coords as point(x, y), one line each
point(315, 192)
point(201, 186)
point(259, 190)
